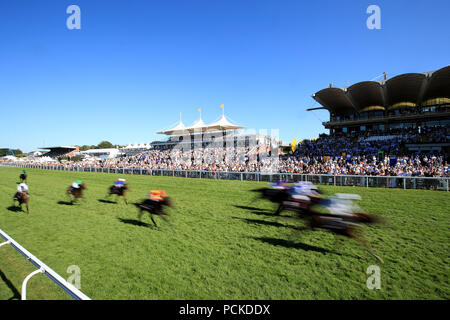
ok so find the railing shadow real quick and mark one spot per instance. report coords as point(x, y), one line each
point(9, 284)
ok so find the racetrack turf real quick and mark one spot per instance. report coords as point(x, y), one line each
point(217, 243)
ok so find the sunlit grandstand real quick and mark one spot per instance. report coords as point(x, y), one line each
point(405, 104)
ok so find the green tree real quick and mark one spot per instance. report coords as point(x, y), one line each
point(105, 145)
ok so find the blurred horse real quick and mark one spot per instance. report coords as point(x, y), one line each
point(119, 191)
point(22, 198)
point(23, 177)
point(342, 221)
point(77, 193)
point(298, 203)
point(154, 207)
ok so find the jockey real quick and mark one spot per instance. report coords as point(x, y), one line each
point(279, 185)
point(22, 187)
point(22, 191)
point(302, 189)
point(120, 183)
point(76, 185)
point(157, 195)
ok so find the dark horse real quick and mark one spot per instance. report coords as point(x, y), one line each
point(77, 193)
point(119, 191)
point(23, 177)
point(299, 204)
point(345, 225)
point(22, 197)
point(154, 207)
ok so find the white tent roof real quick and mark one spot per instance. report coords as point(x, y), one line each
point(178, 129)
point(199, 126)
point(222, 124)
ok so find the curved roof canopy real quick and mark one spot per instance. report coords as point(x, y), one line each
point(439, 85)
point(405, 90)
point(335, 100)
point(367, 96)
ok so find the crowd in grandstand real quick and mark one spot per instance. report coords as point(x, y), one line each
point(336, 155)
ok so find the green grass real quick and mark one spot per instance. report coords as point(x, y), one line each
point(212, 249)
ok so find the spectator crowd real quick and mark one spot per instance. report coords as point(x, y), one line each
point(336, 155)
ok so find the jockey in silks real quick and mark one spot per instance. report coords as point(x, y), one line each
point(303, 189)
point(120, 183)
point(75, 185)
point(157, 195)
point(23, 175)
point(279, 185)
point(22, 193)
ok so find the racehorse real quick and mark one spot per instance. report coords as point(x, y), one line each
point(298, 203)
point(22, 197)
point(23, 177)
point(345, 225)
point(119, 191)
point(154, 207)
point(77, 193)
point(274, 195)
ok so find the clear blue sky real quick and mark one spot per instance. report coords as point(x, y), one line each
point(134, 65)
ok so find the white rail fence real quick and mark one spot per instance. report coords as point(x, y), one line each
point(405, 182)
point(41, 268)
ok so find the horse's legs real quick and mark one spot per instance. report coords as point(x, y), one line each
point(364, 243)
point(151, 217)
point(279, 209)
point(140, 214)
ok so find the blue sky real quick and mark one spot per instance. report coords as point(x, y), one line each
point(134, 65)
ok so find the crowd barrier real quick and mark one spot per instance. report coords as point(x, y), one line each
point(41, 268)
point(430, 183)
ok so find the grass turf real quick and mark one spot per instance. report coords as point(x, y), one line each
point(217, 243)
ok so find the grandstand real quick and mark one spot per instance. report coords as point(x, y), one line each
point(61, 151)
point(412, 103)
point(220, 133)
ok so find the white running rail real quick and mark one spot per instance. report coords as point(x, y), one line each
point(42, 268)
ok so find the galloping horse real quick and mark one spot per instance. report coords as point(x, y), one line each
point(155, 205)
point(298, 198)
point(274, 195)
point(23, 176)
point(22, 197)
point(76, 192)
point(118, 189)
point(343, 220)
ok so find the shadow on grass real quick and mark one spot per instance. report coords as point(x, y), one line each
point(106, 201)
point(15, 209)
point(292, 244)
point(136, 223)
point(248, 208)
point(67, 203)
point(269, 223)
point(9, 284)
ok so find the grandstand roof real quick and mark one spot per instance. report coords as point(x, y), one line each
point(199, 126)
point(178, 129)
point(59, 147)
point(405, 90)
